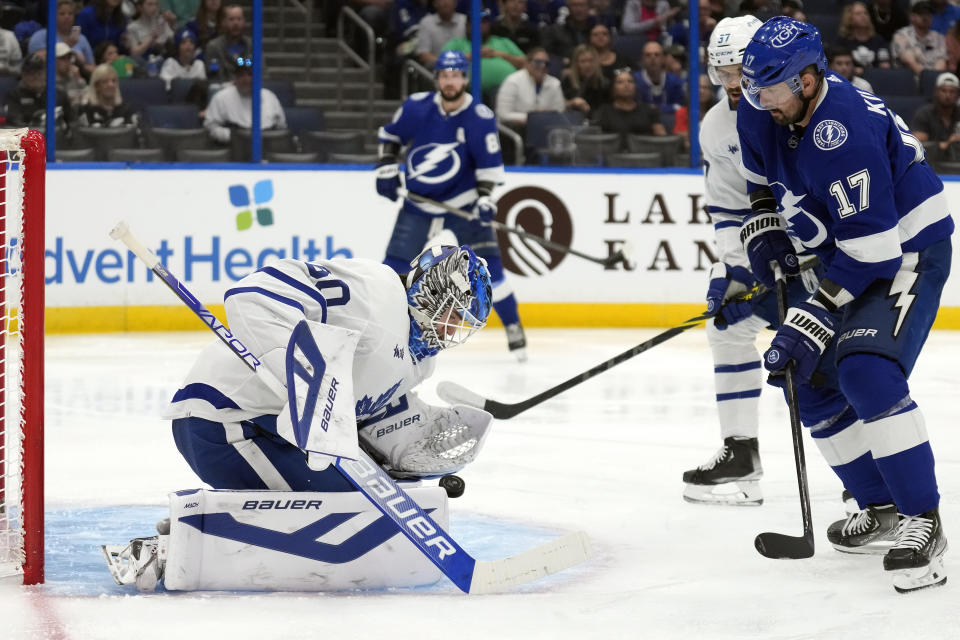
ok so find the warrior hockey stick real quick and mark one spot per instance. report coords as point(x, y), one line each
point(470, 575)
point(779, 545)
point(609, 261)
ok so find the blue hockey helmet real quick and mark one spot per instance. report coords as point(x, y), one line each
point(779, 51)
point(453, 60)
point(449, 298)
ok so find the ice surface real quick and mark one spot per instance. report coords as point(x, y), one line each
point(605, 457)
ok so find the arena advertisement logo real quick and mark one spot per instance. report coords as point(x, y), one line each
point(240, 197)
point(539, 212)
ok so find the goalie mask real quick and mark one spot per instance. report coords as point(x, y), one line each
point(448, 296)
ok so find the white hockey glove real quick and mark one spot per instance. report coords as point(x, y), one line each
point(415, 440)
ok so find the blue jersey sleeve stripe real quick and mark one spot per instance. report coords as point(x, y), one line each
point(736, 368)
point(299, 286)
point(270, 294)
point(726, 224)
point(736, 212)
point(200, 391)
point(876, 247)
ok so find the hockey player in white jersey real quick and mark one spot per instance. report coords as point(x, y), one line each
point(731, 476)
point(372, 339)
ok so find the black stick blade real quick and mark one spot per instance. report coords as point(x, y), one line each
point(779, 546)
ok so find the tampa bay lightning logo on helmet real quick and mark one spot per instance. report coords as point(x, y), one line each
point(829, 134)
point(449, 297)
point(454, 60)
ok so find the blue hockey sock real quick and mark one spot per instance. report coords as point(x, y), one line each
point(507, 310)
point(905, 458)
point(844, 444)
point(863, 479)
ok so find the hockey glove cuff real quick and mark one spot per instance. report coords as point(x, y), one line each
point(764, 238)
point(804, 336)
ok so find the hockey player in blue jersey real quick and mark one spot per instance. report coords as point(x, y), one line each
point(452, 156)
point(842, 172)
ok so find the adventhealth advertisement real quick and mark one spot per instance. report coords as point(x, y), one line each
point(211, 228)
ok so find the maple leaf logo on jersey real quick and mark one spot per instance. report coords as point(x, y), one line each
point(398, 352)
point(804, 225)
point(367, 406)
point(733, 149)
point(433, 163)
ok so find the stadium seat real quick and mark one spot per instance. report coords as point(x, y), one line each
point(593, 147)
point(140, 92)
point(905, 106)
point(539, 126)
point(180, 89)
point(6, 84)
point(898, 81)
point(667, 146)
point(828, 24)
point(102, 139)
point(172, 116)
point(304, 119)
point(203, 155)
point(630, 47)
point(271, 141)
point(327, 142)
point(352, 158)
point(75, 155)
point(170, 141)
point(135, 155)
point(284, 91)
point(293, 157)
point(928, 82)
point(642, 160)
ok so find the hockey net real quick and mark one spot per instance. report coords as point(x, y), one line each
point(22, 168)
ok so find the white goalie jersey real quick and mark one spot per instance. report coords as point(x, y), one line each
point(352, 299)
point(726, 186)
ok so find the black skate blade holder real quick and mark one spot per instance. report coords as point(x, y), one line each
point(780, 545)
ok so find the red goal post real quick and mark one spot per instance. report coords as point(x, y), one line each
point(22, 170)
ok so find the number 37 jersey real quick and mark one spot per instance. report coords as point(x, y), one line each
point(262, 310)
point(853, 185)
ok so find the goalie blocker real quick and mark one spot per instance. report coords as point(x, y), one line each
point(280, 541)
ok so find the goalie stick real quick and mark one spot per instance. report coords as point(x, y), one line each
point(454, 393)
point(470, 575)
point(780, 545)
point(608, 262)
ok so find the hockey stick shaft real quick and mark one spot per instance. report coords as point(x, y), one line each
point(469, 574)
point(776, 545)
point(499, 226)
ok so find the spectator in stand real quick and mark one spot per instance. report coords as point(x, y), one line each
point(437, 29)
point(527, 90)
point(185, 64)
point(107, 53)
point(648, 17)
point(232, 106)
point(103, 20)
point(610, 60)
point(405, 24)
point(939, 121)
point(917, 46)
point(232, 44)
point(624, 114)
point(542, 13)
point(375, 13)
point(561, 38)
point(67, 32)
point(945, 15)
point(10, 53)
point(69, 79)
point(206, 24)
point(840, 59)
point(708, 98)
point(655, 86)
point(761, 9)
point(675, 61)
point(26, 104)
point(858, 34)
point(952, 40)
point(513, 24)
point(887, 18)
point(149, 36)
point(178, 12)
point(499, 57)
point(102, 104)
point(606, 12)
point(585, 88)
point(679, 31)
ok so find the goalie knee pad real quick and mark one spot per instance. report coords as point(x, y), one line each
point(414, 439)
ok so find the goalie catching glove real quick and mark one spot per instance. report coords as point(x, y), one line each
point(413, 439)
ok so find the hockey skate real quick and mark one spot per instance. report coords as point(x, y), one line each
point(140, 563)
point(916, 559)
point(517, 341)
point(871, 530)
point(729, 478)
point(850, 505)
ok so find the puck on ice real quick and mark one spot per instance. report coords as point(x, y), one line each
point(453, 485)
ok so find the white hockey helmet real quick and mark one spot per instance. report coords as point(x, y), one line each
point(727, 42)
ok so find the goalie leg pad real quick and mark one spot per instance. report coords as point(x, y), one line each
point(293, 541)
point(414, 439)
